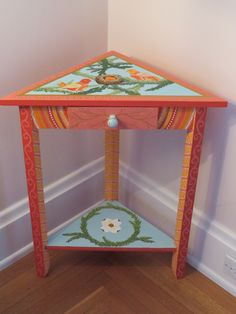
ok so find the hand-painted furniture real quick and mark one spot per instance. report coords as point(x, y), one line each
point(112, 92)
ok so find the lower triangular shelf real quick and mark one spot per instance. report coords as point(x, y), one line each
point(111, 226)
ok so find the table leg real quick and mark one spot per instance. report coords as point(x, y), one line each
point(111, 164)
point(191, 161)
point(30, 137)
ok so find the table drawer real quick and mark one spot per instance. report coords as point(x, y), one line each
point(126, 118)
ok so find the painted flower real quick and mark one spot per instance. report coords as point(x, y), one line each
point(111, 225)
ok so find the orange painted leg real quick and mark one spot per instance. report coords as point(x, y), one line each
point(192, 153)
point(111, 164)
point(30, 137)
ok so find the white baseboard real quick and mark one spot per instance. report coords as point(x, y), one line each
point(209, 242)
point(214, 276)
point(15, 229)
point(9, 260)
point(52, 191)
point(170, 200)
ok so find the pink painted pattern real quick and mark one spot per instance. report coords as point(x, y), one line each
point(192, 154)
point(30, 139)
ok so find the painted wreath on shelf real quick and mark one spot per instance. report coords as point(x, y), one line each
point(110, 225)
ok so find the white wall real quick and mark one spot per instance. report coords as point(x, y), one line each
point(194, 40)
point(37, 39)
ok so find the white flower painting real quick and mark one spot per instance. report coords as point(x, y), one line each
point(111, 225)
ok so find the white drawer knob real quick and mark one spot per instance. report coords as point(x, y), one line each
point(112, 121)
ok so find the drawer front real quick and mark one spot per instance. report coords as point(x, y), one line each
point(97, 117)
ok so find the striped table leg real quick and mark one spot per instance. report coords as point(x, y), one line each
point(30, 137)
point(192, 153)
point(111, 164)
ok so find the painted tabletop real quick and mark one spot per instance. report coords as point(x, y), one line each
point(112, 79)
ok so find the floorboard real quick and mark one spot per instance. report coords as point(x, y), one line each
point(109, 283)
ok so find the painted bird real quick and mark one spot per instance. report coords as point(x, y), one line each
point(75, 86)
point(140, 76)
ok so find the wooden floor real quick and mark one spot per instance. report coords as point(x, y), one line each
point(99, 283)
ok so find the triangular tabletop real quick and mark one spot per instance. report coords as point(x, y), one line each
point(111, 226)
point(112, 79)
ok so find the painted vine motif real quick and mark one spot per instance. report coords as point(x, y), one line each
point(115, 226)
point(109, 76)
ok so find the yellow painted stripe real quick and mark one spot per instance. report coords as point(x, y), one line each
point(168, 118)
point(111, 164)
point(43, 119)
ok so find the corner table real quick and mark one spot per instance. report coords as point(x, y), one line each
point(112, 92)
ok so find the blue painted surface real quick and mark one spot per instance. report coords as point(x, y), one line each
point(160, 239)
point(86, 72)
point(112, 121)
